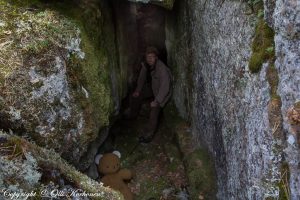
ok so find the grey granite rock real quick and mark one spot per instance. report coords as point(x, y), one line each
point(209, 44)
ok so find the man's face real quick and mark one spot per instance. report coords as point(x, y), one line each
point(151, 59)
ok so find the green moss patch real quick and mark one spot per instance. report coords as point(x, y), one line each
point(94, 70)
point(262, 46)
point(198, 163)
point(201, 175)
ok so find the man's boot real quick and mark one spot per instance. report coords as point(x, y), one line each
point(149, 132)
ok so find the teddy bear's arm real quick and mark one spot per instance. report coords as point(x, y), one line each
point(125, 174)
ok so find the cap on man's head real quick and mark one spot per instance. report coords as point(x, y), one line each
point(151, 49)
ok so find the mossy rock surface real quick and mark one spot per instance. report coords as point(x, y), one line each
point(256, 61)
point(33, 169)
point(58, 62)
point(201, 175)
point(263, 47)
point(198, 163)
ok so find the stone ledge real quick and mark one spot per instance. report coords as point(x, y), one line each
point(168, 4)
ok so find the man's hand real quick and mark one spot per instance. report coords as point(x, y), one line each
point(136, 94)
point(153, 104)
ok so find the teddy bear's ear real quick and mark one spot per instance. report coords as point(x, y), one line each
point(97, 158)
point(117, 153)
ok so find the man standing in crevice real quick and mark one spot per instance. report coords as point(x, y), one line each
point(154, 82)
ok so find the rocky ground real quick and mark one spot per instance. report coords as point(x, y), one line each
point(158, 167)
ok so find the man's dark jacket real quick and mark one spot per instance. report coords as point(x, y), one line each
point(161, 82)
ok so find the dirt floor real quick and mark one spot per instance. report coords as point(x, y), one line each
point(158, 168)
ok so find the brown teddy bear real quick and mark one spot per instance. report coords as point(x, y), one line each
point(109, 166)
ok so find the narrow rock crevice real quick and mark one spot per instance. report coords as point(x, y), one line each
point(230, 131)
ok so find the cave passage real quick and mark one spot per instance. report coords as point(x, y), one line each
point(158, 167)
point(137, 26)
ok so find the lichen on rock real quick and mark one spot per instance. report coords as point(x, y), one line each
point(41, 173)
point(39, 97)
point(286, 17)
point(54, 78)
point(233, 111)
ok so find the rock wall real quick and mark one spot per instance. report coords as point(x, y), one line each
point(60, 81)
point(127, 34)
point(285, 17)
point(232, 110)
